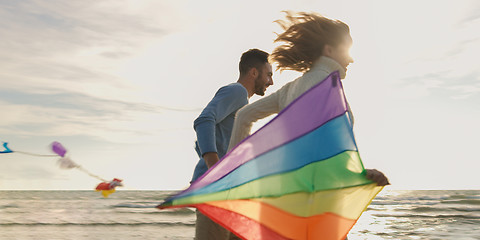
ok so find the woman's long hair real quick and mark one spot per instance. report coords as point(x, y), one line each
point(304, 38)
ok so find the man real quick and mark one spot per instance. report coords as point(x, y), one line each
point(214, 125)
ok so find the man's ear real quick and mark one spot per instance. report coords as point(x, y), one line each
point(253, 72)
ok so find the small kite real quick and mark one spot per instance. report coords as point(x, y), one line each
point(299, 177)
point(66, 163)
point(6, 148)
point(108, 188)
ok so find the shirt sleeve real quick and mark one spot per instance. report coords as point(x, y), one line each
point(249, 114)
point(350, 114)
point(227, 100)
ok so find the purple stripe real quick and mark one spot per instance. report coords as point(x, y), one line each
point(312, 109)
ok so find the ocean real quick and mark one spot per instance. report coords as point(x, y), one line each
point(452, 214)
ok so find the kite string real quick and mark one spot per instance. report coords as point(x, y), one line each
point(51, 155)
point(55, 155)
point(91, 174)
point(97, 177)
point(34, 154)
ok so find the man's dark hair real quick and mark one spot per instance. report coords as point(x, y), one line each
point(253, 58)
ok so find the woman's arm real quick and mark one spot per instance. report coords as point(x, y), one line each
point(251, 113)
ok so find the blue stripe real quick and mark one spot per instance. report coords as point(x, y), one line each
point(330, 139)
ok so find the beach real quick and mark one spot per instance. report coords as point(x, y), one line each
point(400, 214)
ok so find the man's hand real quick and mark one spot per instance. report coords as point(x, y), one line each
point(377, 176)
point(210, 158)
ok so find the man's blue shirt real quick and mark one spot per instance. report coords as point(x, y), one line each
point(214, 125)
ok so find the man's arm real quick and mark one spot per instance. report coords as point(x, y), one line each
point(211, 158)
point(226, 101)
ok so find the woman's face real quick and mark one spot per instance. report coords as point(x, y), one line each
point(341, 52)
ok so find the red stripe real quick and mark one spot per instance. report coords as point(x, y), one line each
point(243, 227)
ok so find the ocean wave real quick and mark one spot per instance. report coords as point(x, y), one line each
point(426, 209)
point(457, 199)
point(414, 198)
point(127, 205)
point(169, 224)
point(458, 196)
point(436, 216)
point(403, 202)
point(177, 211)
point(9, 206)
point(155, 211)
point(463, 201)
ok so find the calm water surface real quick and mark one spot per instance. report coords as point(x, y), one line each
point(132, 215)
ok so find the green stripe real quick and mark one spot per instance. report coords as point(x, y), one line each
point(340, 171)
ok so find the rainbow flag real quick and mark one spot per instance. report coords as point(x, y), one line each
point(298, 177)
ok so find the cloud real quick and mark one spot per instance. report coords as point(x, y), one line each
point(473, 13)
point(76, 45)
point(447, 65)
point(46, 29)
point(59, 68)
point(67, 113)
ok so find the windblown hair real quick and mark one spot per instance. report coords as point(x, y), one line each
point(253, 58)
point(304, 38)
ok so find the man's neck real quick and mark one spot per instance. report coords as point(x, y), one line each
point(247, 84)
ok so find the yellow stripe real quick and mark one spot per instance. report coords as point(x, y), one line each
point(348, 203)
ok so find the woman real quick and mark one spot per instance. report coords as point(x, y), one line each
point(314, 45)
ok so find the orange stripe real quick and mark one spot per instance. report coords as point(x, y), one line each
point(323, 226)
point(347, 202)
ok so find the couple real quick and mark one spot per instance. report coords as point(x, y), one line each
point(314, 45)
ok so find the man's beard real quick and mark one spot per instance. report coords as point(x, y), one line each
point(259, 87)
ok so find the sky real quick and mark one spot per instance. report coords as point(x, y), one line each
point(119, 83)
